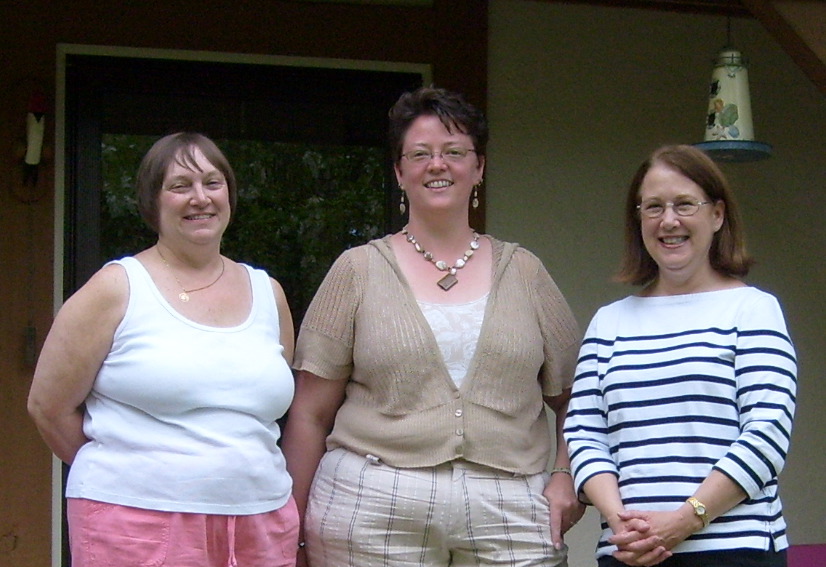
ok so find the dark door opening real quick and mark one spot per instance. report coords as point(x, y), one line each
point(308, 146)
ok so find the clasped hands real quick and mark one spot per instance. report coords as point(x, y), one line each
point(645, 537)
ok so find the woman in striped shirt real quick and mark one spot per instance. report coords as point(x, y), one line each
point(684, 397)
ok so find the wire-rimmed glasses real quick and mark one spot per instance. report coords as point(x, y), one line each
point(422, 155)
point(654, 209)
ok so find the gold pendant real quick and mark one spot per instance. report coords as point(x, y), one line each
point(447, 282)
point(183, 296)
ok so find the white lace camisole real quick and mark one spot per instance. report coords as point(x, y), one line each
point(456, 327)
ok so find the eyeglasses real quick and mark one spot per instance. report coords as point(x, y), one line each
point(454, 155)
point(656, 209)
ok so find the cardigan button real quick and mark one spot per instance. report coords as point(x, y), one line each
point(460, 431)
point(458, 413)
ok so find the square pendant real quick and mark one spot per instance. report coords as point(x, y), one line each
point(447, 282)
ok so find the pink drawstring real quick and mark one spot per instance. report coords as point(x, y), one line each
point(232, 562)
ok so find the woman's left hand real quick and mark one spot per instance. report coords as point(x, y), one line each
point(566, 509)
point(664, 531)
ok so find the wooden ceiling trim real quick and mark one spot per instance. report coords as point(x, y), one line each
point(790, 40)
point(734, 8)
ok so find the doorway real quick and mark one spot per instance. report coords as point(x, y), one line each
point(307, 143)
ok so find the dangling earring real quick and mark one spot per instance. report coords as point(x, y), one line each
point(402, 206)
point(475, 200)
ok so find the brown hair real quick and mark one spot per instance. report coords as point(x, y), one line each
point(178, 148)
point(450, 107)
point(728, 253)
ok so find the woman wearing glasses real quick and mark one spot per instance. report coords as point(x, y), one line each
point(419, 434)
point(684, 397)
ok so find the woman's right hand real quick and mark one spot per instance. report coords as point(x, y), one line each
point(637, 542)
point(630, 529)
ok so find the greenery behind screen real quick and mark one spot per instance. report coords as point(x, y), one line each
point(299, 206)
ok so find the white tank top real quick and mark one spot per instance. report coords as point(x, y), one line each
point(181, 416)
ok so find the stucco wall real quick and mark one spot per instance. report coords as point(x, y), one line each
point(579, 95)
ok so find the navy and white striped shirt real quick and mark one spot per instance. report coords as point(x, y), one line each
point(668, 388)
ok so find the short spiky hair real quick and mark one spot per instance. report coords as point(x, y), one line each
point(728, 253)
point(450, 107)
point(178, 148)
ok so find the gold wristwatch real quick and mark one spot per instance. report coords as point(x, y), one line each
point(699, 510)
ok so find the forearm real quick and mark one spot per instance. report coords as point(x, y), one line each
point(719, 494)
point(561, 459)
point(602, 491)
point(63, 434)
point(309, 422)
point(303, 446)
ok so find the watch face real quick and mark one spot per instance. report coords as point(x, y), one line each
point(701, 509)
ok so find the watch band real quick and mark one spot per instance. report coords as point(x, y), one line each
point(699, 510)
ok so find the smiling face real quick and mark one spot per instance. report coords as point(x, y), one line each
point(193, 203)
point(679, 244)
point(438, 183)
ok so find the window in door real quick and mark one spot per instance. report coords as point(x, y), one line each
point(308, 146)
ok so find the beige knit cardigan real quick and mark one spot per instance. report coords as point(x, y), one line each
point(401, 405)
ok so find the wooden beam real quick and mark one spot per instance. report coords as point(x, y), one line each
point(733, 8)
point(790, 40)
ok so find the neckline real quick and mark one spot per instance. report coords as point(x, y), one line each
point(501, 252)
point(688, 296)
point(156, 292)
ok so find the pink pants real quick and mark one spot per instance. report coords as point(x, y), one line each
point(108, 535)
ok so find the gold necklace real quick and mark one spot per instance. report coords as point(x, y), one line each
point(450, 279)
point(184, 295)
